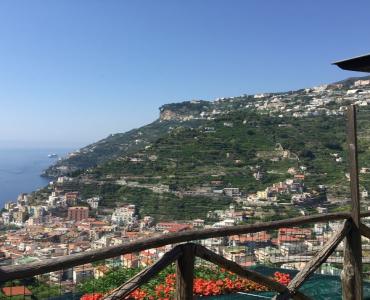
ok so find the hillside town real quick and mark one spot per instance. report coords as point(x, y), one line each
point(326, 99)
point(39, 233)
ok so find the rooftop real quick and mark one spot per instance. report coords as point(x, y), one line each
point(16, 291)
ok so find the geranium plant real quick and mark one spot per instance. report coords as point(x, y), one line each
point(207, 282)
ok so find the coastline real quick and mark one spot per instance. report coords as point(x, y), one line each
point(22, 170)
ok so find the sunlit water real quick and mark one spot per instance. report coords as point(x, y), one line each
point(20, 171)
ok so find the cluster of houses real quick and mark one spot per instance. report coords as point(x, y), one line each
point(326, 99)
point(64, 224)
point(320, 100)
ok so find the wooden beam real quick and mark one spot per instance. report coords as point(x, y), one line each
point(365, 230)
point(319, 258)
point(353, 164)
point(233, 267)
point(8, 273)
point(185, 272)
point(145, 275)
point(351, 276)
point(352, 265)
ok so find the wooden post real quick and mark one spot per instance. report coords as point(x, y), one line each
point(320, 257)
point(185, 273)
point(352, 265)
point(144, 276)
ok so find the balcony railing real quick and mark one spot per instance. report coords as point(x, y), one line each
point(187, 245)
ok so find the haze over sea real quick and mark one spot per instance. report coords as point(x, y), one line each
point(20, 170)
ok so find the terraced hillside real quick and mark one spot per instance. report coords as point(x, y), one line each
point(110, 148)
point(185, 164)
point(231, 148)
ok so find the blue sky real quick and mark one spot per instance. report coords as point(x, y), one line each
point(72, 72)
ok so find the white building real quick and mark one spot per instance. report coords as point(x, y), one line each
point(93, 202)
point(52, 201)
point(7, 218)
point(232, 192)
point(82, 273)
point(124, 215)
point(361, 82)
point(224, 223)
point(320, 228)
point(198, 223)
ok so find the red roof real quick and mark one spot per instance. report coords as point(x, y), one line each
point(293, 234)
point(130, 256)
point(295, 231)
point(261, 236)
point(131, 234)
point(173, 227)
point(247, 263)
point(16, 291)
point(285, 238)
point(179, 227)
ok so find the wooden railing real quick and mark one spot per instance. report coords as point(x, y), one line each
point(183, 254)
point(12, 272)
point(185, 251)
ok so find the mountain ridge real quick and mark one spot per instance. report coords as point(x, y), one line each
point(286, 151)
point(187, 113)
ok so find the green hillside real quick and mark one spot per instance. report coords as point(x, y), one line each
point(187, 158)
point(178, 166)
point(215, 156)
point(109, 148)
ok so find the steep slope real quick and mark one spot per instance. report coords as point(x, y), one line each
point(228, 149)
point(111, 147)
point(187, 114)
point(179, 166)
point(175, 178)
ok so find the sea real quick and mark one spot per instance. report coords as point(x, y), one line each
point(20, 170)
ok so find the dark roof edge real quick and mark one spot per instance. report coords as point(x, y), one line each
point(350, 59)
point(359, 63)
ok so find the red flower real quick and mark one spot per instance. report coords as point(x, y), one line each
point(282, 278)
point(229, 283)
point(95, 296)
